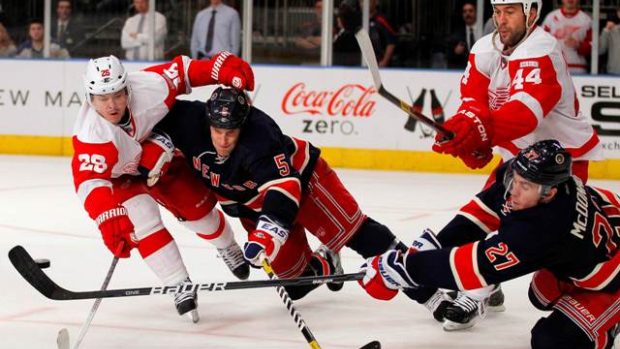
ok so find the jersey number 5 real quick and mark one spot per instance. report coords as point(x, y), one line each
point(282, 165)
point(532, 77)
point(94, 162)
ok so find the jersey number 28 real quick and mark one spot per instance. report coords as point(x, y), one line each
point(94, 162)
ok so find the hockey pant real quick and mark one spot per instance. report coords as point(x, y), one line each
point(182, 193)
point(579, 319)
point(328, 211)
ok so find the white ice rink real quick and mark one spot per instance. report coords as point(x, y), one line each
point(40, 211)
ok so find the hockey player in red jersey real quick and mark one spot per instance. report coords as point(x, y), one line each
point(515, 91)
point(549, 223)
point(279, 187)
point(573, 29)
point(119, 160)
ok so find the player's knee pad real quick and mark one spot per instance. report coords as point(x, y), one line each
point(557, 331)
point(144, 213)
point(212, 227)
point(372, 239)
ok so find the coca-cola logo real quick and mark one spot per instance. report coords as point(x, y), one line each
point(348, 100)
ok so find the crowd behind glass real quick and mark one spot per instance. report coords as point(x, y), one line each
point(404, 33)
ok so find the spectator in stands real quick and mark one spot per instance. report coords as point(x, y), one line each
point(463, 39)
point(33, 47)
point(66, 31)
point(345, 49)
point(137, 33)
point(7, 47)
point(382, 35)
point(573, 29)
point(216, 28)
point(610, 43)
point(310, 38)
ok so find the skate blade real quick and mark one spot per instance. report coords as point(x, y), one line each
point(63, 339)
point(193, 315)
point(450, 326)
point(496, 308)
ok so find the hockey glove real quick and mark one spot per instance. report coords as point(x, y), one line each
point(425, 242)
point(230, 70)
point(478, 159)
point(115, 227)
point(385, 275)
point(157, 152)
point(265, 240)
point(471, 128)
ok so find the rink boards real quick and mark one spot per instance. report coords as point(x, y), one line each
point(335, 108)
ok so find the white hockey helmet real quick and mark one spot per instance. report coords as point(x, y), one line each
point(527, 5)
point(104, 75)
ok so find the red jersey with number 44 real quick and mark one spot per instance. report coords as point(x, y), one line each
point(103, 150)
point(530, 95)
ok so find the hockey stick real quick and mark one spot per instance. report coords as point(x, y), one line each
point(288, 302)
point(63, 334)
point(26, 266)
point(363, 40)
point(301, 324)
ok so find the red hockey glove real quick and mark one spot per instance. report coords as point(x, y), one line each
point(471, 128)
point(265, 239)
point(230, 70)
point(115, 227)
point(385, 275)
point(477, 159)
point(157, 152)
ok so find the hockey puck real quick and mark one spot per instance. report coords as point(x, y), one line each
point(42, 263)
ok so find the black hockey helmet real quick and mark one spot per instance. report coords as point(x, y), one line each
point(545, 162)
point(227, 108)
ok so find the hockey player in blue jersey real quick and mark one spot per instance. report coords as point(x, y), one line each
point(278, 186)
point(550, 224)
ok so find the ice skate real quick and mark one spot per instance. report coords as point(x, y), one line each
point(437, 304)
point(496, 299)
point(463, 313)
point(233, 257)
point(186, 301)
point(333, 259)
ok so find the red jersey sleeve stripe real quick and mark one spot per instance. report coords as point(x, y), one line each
point(290, 187)
point(301, 156)
point(464, 265)
point(609, 196)
point(481, 215)
point(601, 275)
point(531, 103)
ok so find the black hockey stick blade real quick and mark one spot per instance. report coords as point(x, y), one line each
point(372, 345)
point(27, 267)
point(363, 40)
